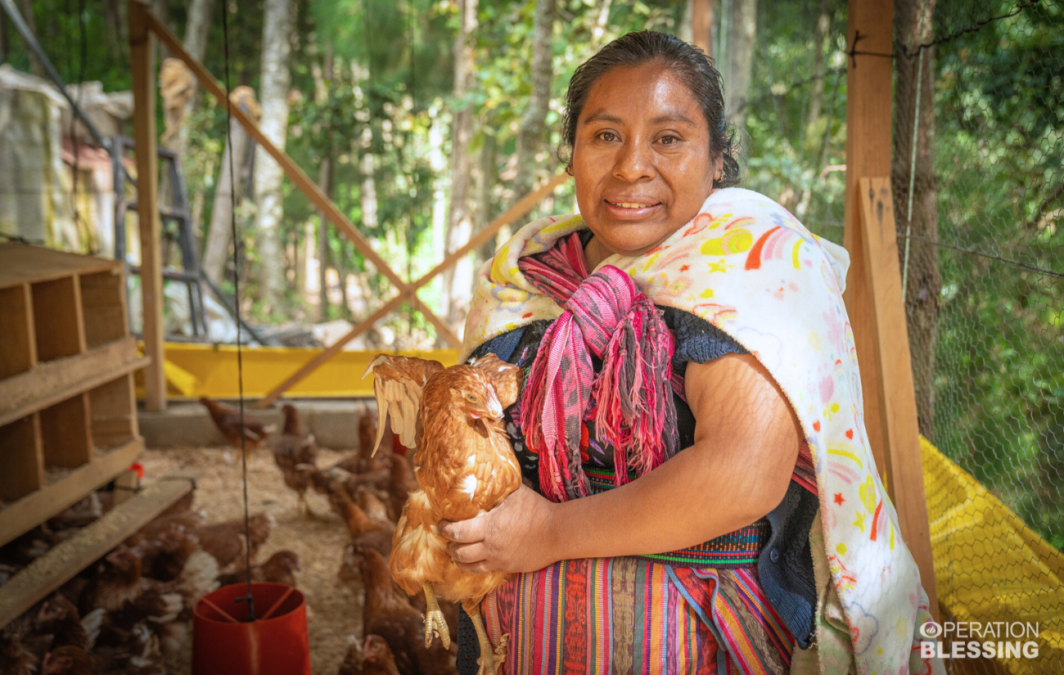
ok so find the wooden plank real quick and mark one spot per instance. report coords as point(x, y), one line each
point(65, 435)
point(869, 82)
point(57, 318)
point(103, 307)
point(42, 504)
point(54, 381)
point(142, 61)
point(114, 412)
point(891, 362)
point(59, 565)
point(22, 263)
point(523, 206)
point(21, 457)
point(16, 325)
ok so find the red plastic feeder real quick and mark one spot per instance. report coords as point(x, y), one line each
point(276, 643)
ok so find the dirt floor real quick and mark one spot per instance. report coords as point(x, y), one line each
point(334, 612)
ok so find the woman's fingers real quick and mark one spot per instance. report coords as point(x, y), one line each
point(464, 531)
point(468, 553)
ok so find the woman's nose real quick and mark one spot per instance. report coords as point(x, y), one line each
point(634, 163)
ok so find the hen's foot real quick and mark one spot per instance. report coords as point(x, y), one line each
point(491, 660)
point(435, 624)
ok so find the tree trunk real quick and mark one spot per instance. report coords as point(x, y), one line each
point(816, 96)
point(486, 178)
point(219, 234)
point(325, 179)
point(275, 78)
point(700, 15)
point(458, 281)
point(923, 279)
point(742, 33)
point(533, 123)
point(197, 29)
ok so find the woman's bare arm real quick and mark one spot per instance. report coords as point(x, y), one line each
point(746, 445)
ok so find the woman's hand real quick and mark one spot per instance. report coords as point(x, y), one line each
point(515, 536)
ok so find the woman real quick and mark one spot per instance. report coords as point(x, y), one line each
point(689, 364)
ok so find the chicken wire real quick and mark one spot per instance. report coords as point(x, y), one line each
point(978, 200)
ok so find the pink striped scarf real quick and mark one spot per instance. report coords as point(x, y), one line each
point(630, 400)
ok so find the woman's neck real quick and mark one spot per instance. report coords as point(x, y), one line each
point(595, 253)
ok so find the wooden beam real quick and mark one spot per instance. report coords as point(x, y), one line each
point(142, 60)
point(869, 83)
point(523, 206)
point(891, 362)
point(47, 573)
point(40, 505)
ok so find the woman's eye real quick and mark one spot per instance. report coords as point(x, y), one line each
point(668, 140)
point(608, 136)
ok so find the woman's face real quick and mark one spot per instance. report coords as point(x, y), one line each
point(641, 158)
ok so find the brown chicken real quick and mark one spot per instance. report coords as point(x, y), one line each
point(15, 657)
point(464, 467)
point(129, 598)
point(279, 568)
point(374, 657)
point(388, 614)
point(57, 621)
point(226, 541)
point(363, 531)
point(228, 422)
point(375, 509)
point(292, 451)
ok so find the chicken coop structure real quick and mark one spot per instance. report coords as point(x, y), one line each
point(68, 418)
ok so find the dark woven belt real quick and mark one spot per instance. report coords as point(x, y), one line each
point(734, 550)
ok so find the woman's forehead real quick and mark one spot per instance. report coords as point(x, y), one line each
point(649, 93)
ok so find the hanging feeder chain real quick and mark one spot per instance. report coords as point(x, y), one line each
point(249, 598)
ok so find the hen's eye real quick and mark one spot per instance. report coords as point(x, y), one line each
point(472, 397)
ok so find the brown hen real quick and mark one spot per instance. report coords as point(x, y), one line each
point(228, 422)
point(279, 568)
point(293, 451)
point(226, 541)
point(372, 658)
point(389, 615)
point(464, 466)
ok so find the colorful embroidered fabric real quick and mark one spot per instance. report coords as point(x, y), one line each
point(750, 268)
point(629, 616)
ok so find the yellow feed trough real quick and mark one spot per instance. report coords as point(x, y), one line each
point(207, 370)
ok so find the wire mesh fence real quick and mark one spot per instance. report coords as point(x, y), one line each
point(978, 141)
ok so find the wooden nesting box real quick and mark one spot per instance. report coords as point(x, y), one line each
point(68, 419)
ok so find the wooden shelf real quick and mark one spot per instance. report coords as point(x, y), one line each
point(47, 573)
point(68, 421)
point(66, 489)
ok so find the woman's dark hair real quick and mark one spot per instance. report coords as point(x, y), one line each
point(689, 63)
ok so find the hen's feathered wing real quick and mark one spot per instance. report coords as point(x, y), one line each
point(397, 385)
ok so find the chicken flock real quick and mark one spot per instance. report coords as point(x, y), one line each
point(122, 614)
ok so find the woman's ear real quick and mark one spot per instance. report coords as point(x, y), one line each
point(718, 169)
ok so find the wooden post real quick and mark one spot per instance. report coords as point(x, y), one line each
point(873, 288)
point(702, 25)
point(892, 364)
point(141, 56)
point(869, 87)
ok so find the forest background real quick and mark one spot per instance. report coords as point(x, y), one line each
point(425, 119)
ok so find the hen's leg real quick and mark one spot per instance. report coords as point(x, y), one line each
point(491, 658)
point(435, 624)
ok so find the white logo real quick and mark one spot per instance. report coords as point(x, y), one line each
point(930, 630)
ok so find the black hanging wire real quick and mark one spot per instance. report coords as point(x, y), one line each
point(249, 599)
